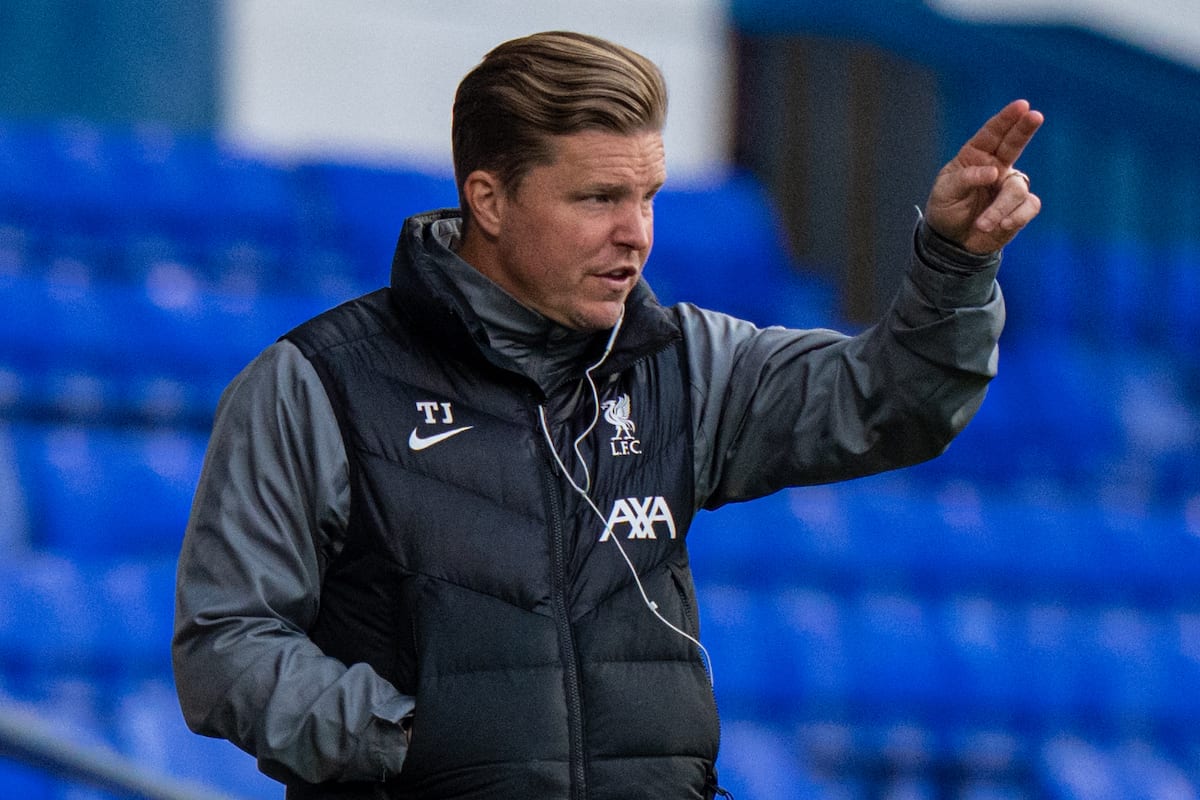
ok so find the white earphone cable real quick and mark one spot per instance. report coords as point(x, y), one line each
point(583, 491)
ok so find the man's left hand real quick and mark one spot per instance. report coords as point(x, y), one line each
point(980, 201)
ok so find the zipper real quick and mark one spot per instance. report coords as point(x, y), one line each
point(689, 617)
point(566, 638)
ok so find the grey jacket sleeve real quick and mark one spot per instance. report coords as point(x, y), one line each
point(775, 407)
point(270, 511)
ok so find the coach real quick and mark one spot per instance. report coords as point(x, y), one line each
point(438, 545)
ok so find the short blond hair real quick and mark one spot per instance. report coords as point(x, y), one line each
point(527, 90)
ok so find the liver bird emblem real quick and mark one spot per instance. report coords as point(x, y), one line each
point(616, 413)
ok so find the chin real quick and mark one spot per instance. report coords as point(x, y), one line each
point(597, 319)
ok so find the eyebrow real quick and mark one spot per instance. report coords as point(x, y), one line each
point(617, 189)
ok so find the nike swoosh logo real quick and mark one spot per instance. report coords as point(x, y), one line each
point(418, 442)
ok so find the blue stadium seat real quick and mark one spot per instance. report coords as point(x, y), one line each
point(815, 650)
point(992, 754)
point(194, 179)
point(1180, 297)
point(1183, 641)
point(25, 782)
point(1146, 772)
point(1072, 768)
point(150, 255)
point(756, 764)
point(1036, 547)
point(136, 600)
point(148, 727)
point(95, 352)
point(985, 666)
point(42, 320)
point(1126, 278)
point(112, 493)
point(72, 702)
point(750, 668)
point(16, 247)
point(78, 394)
point(152, 172)
point(333, 276)
point(15, 500)
point(21, 165)
point(48, 620)
point(898, 661)
point(1044, 278)
point(99, 622)
point(722, 247)
point(893, 527)
point(1127, 661)
point(1051, 660)
point(363, 208)
point(761, 541)
point(984, 789)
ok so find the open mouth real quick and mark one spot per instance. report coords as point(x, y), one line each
point(621, 276)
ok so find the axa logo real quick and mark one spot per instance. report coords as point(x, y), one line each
point(435, 414)
point(642, 516)
point(624, 440)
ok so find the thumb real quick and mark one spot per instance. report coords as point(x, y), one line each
point(958, 196)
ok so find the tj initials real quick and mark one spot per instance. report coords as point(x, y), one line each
point(431, 409)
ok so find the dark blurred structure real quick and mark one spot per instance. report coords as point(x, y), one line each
point(847, 111)
point(111, 61)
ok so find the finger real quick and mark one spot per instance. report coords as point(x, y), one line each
point(1018, 136)
point(988, 138)
point(1013, 207)
point(958, 183)
point(1005, 135)
point(1023, 214)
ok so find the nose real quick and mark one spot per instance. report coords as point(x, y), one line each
point(635, 226)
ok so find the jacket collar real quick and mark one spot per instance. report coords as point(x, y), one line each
point(456, 304)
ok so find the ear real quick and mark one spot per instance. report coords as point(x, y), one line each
point(484, 196)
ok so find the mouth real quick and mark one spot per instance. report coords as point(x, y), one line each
point(622, 277)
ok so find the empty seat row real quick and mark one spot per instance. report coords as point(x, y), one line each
point(116, 491)
point(838, 761)
point(1087, 419)
point(118, 327)
point(1107, 290)
point(750, 275)
point(785, 654)
point(99, 493)
point(798, 653)
point(722, 243)
point(931, 539)
point(109, 621)
point(161, 354)
point(77, 169)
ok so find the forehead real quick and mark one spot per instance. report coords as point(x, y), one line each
point(606, 157)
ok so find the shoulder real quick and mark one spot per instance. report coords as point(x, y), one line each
point(280, 380)
point(354, 320)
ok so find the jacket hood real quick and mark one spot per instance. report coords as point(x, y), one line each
point(423, 290)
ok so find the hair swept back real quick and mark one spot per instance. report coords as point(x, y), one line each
point(530, 89)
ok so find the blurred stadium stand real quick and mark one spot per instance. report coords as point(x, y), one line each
point(1016, 619)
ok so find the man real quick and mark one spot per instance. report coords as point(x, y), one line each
point(419, 565)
